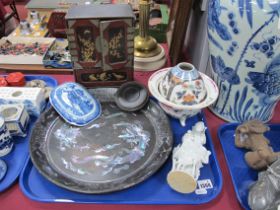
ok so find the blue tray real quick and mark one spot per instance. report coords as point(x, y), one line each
point(243, 176)
point(152, 191)
point(16, 159)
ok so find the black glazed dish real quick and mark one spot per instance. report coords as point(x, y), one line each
point(131, 96)
point(104, 157)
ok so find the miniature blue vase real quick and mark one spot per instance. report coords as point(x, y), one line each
point(244, 42)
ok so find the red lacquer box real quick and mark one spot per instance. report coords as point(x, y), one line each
point(101, 42)
point(57, 24)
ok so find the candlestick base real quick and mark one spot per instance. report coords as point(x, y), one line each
point(146, 47)
point(151, 63)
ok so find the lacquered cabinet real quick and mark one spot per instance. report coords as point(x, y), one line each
point(101, 41)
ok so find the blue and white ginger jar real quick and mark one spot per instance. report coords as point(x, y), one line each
point(244, 41)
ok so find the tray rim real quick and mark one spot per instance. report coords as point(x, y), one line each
point(25, 139)
point(18, 171)
point(138, 202)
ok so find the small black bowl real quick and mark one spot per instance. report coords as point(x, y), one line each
point(131, 96)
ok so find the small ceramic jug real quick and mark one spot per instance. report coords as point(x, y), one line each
point(24, 27)
point(35, 17)
point(183, 85)
point(6, 143)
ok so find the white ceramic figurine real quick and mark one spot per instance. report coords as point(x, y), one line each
point(188, 158)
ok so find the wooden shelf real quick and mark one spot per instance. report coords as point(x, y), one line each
point(32, 69)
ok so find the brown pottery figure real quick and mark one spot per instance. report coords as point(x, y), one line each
point(249, 135)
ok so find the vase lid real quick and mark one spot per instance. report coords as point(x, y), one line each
point(131, 96)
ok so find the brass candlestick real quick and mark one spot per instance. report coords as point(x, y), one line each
point(144, 45)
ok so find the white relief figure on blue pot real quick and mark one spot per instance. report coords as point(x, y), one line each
point(245, 64)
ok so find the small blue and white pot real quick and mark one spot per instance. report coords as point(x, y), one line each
point(16, 118)
point(6, 143)
point(244, 43)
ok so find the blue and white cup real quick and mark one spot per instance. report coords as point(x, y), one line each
point(6, 142)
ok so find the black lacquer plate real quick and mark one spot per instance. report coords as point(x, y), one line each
point(116, 151)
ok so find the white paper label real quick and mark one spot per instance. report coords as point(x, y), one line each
point(204, 184)
point(200, 191)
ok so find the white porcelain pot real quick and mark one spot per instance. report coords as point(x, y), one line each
point(35, 17)
point(183, 85)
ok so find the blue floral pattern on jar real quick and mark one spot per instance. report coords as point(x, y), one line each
point(268, 82)
point(214, 22)
point(224, 72)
